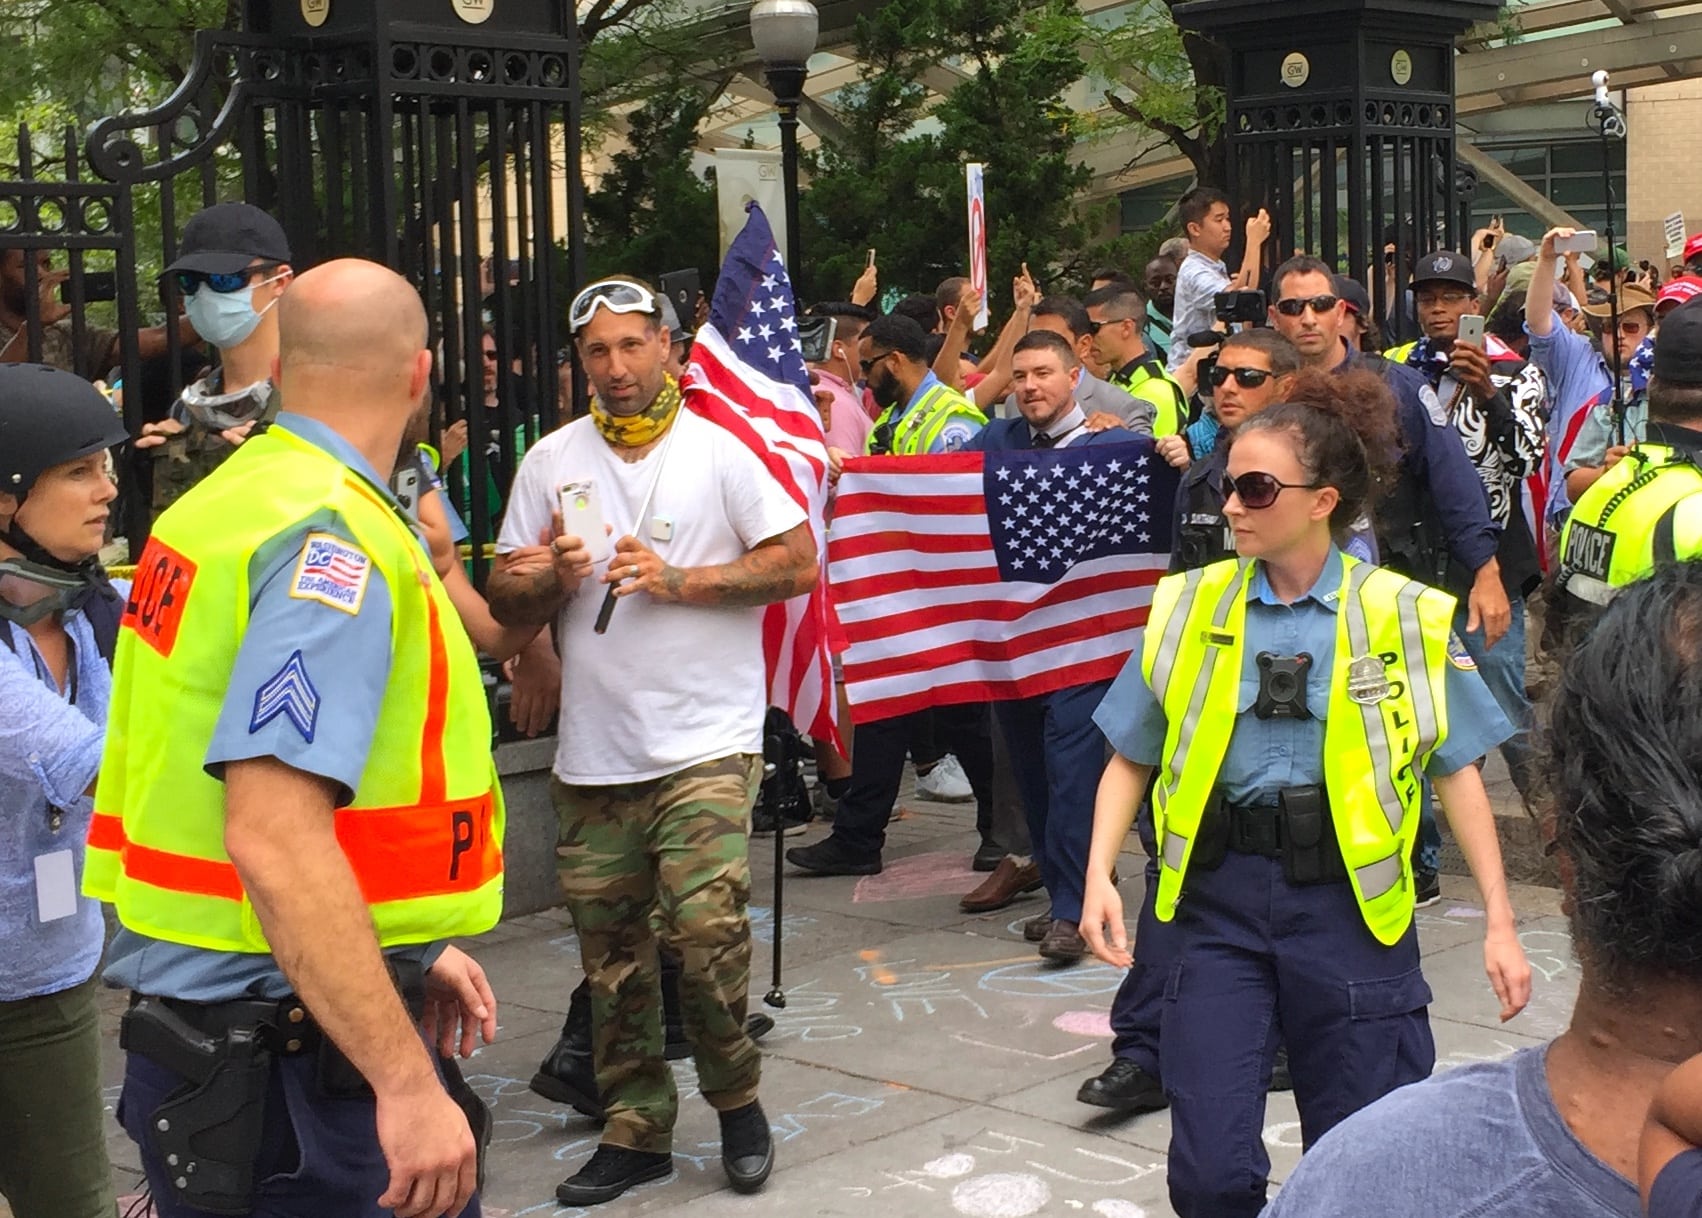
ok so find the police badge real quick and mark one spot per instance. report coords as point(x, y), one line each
point(1367, 684)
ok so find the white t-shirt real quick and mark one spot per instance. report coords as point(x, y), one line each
point(668, 685)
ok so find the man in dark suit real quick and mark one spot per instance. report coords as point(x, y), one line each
point(1057, 752)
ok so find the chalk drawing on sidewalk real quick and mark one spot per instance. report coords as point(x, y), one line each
point(941, 873)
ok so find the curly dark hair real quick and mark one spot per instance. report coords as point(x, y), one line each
point(1624, 760)
point(1348, 433)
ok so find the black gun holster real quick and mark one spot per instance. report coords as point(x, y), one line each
point(207, 1133)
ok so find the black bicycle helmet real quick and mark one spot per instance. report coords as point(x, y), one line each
point(49, 417)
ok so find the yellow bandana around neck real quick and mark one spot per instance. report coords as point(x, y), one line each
point(635, 431)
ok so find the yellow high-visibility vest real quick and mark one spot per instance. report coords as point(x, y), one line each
point(423, 833)
point(1374, 750)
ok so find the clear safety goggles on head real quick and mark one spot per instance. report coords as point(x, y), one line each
point(615, 295)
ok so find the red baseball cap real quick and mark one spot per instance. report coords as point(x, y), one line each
point(1681, 290)
point(1693, 247)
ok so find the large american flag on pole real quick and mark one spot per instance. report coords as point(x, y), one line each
point(746, 372)
point(986, 576)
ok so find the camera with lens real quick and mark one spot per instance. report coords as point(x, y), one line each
point(1240, 307)
point(1282, 686)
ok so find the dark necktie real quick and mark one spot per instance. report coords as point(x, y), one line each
point(1042, 440)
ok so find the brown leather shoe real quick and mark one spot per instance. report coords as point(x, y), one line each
point(1034, 930)
point(1063, 943)
point(1010, 880)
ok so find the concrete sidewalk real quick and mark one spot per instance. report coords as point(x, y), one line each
point(926, 1062)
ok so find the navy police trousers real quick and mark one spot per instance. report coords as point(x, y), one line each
point(1253, 953)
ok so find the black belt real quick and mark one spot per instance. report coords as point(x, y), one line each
point(282, 1024)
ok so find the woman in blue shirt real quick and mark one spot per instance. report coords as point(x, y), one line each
point(1286, 805)
point(57, 618)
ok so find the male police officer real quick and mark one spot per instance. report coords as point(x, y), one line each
point(297, 805)
point(1118, 316)
point(1647, 508)
point(919, 412)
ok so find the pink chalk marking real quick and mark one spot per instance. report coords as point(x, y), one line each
point(942, 873)
point(1085, 1023)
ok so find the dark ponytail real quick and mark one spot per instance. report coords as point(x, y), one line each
point(1347, 433)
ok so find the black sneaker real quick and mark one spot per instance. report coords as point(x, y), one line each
point(758, 1024)
point(829, 857)
point(747, 1147)
point(610, 1172)
point(1281, 1078)
point(1427, 889)
point(762, 823)
point(821, 803)
point(988, 856)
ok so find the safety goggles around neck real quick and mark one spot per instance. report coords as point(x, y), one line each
point(615, 295)
point(1258, 489)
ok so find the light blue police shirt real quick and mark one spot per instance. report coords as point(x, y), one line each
point(1266, 755)
point(954, 435)
point(306, 688)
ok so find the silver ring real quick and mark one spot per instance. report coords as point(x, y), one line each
point(632, 572)
point(555, 546)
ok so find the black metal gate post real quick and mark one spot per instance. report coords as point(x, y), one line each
point(440, 137)
point(1343, 111)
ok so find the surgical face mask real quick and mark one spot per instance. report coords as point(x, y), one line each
point(226, 319)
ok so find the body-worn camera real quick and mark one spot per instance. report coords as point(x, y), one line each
point(1282, 686)
point(1233, 307)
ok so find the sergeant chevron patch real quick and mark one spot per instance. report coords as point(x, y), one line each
point(289, 692)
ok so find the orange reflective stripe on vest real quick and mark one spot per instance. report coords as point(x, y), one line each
point(397, 854)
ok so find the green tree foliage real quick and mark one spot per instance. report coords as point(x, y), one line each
point(650, 213)
point(897, 184)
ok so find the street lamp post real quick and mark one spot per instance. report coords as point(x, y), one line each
point(784, 32)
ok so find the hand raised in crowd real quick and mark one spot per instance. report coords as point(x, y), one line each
point(1615, 455)
point(637, 568)
point(454, 442)
point(700, 312)
point(1174, 449)
point(459, 1004)
point(836, 459)
point(867, 285)
point(1259, 228)
point(1470, 366)
point(1102, 921)
point(52, 310)
point(1100, 420)
point(1024, 293)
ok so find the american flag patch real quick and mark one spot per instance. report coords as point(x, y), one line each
point(332, 572)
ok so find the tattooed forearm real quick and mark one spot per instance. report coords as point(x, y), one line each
point(774, 570)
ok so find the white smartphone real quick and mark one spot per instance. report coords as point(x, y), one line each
point(1471, 330)
point(1581, 242)
point(582, 517)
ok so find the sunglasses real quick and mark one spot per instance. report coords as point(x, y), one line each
point(868, 365)
point(1247, 378)
point(189, 282)
point(1294, 306)
point(1260, 490)
point(615, 295)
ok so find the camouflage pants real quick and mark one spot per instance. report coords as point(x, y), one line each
point(677, 848)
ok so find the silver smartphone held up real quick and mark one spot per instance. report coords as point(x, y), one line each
point(405, 484)
point(582, 517)
point(1581, 242)
point(1471, 330)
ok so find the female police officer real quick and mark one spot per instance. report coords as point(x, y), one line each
point(1286, 699)
point(58, 616)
